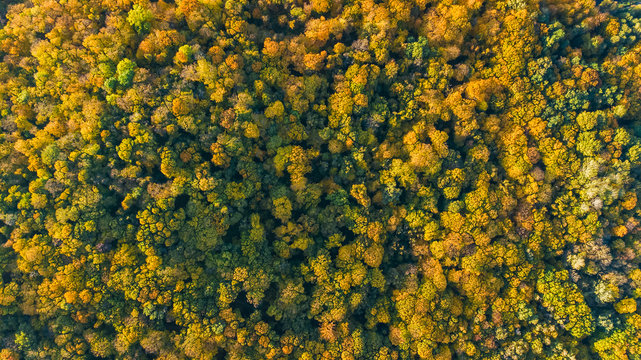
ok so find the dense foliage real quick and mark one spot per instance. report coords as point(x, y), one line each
point(294, 179)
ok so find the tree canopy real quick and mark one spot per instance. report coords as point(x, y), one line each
point(320, 179)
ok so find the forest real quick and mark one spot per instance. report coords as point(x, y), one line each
point(320, 179)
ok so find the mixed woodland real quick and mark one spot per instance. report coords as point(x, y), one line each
point(320, 179)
